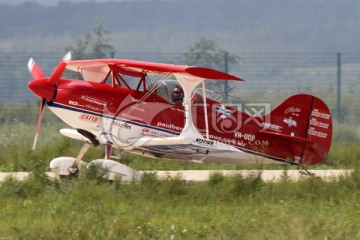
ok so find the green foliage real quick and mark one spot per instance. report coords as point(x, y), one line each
point(18, 113)
point(94, 44)
point(206, 53)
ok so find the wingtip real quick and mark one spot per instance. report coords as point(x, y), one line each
point(210, 74)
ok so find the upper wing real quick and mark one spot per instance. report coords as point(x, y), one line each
point(96, 70)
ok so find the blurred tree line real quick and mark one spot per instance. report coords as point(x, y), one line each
point(204, 53)
point(97, 44)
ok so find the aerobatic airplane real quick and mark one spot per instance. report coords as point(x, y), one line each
point(162, 111)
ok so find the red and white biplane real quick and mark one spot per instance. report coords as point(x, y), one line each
point(114, 103)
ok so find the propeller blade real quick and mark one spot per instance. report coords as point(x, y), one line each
point(35, 70)
point(42, 104)
point(59, 69)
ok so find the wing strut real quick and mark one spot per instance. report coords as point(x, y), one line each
point(205, 111)
point(188, 83)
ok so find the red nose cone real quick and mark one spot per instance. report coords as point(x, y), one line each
point(42, 89)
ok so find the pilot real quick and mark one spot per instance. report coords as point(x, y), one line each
point(177, 95)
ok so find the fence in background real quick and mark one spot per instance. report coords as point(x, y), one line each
point(332, 76)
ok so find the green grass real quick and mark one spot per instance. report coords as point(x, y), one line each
point(222, 208)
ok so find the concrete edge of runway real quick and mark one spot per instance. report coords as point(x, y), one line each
point(266, 175)
point(203, 175)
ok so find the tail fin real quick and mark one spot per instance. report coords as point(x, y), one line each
point(304, 128)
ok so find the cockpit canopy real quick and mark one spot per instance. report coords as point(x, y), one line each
point(164, 88)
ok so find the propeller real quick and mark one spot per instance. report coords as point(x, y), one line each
point(45, 88)
point(35, 70)
point(59, 69)
point(42, 104)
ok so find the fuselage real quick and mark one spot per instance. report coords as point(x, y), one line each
point(119, 114)
point(144, 119)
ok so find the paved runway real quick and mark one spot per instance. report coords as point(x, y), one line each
point(203, 175)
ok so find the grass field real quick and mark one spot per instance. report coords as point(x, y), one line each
point(221, 208)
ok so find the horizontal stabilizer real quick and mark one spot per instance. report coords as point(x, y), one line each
point(288, 138)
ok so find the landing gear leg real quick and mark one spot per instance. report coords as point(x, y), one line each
point(108, 151)
point(303, 170)
point(74, 169)
point(301, 167)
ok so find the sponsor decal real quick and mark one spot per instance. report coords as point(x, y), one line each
point(93, 100)
point(324, 125)
point(314, 122)
point(120, 124)
point(272, 127)
point(137, 108)
point(293, 111)
point(88, 106)
point(131, 117)
point(312, 131)
point(316, 113)
point(152, 133)
point(225, 120)
point(169, 126)
point(145, 132)
point(290, 122)
point(74, 103)
point(89, 118)
point(222, 140)
point(204, 142)
point(175, 108)
point(223, 111)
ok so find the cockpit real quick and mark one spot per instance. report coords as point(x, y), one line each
point(166, 89)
